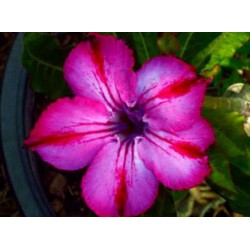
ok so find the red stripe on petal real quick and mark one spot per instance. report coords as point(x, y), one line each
point(177, 89)
point(60, 138)
point(187, 149)
point(182, 147)
point(121, 192)
point(98, 60)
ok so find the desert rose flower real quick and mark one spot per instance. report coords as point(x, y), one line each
point(130, 129)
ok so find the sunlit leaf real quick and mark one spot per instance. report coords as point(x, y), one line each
point(43, 59)
point(228, 130)
point(244, 50)
point(232, 63)
point(211, 73)
point(229, 159)
point(222, 47)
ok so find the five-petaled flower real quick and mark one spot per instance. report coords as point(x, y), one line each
point(132, 129)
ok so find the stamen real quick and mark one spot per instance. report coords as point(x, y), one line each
point(131, 123)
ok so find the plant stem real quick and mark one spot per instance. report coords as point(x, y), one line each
point(226, 103)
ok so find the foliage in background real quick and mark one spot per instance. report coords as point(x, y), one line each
point(43, 58)
point(224, 57)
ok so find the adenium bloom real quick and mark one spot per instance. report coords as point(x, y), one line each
point(132, 129)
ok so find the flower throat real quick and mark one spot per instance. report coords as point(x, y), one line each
point(131, 122)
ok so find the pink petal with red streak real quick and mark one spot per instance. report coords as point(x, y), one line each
point(101, 69)
point(200, 134)
point(174, 113)
point(161, 72)
point(170, 93)
point(178, 165)
point(117, 182)
point(70, 132)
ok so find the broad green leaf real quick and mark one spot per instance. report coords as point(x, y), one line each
point(163, 206)
point(242, 163)
point(222, 47)
point(232, 63)
point(43, 59)
point(229, 159)
point(191, 43)
point(244, 50)
point(145, 45)
point(221, 174)
point(229, 131)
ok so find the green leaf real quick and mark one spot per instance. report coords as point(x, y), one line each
point(229, 159)
point(43, 59)
point(241, 180)
point(244, 210)
point(221, 173)
point(144, 45)
point(190, 43)
point(179, 195)
point(232, 63)
point(221, 48)
point(229, 131)
point(163, 206)
point(244, 50)
point(241, 201)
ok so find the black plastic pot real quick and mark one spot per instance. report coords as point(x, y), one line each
point(15, 124)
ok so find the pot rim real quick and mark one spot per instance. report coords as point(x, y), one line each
point(19, 163)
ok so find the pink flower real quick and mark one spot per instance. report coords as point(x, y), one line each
point(133, 129)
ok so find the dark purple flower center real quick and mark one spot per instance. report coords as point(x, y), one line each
point(131, 123)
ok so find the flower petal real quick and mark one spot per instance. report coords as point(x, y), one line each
point(101, 69)
point(117, 182)
point(200, 134)
point(175, 114)
point(161, 72)
point(170, 93)
point(70, 132)
point(179, 165)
